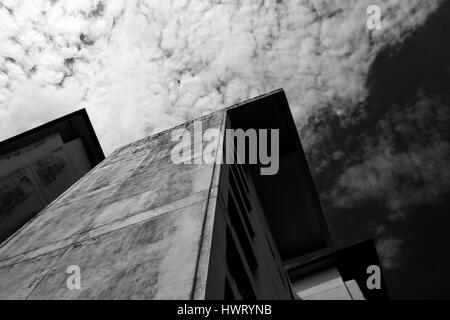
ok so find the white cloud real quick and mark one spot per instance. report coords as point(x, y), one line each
point(142, 66)
point(401, 178)
point(388, 250)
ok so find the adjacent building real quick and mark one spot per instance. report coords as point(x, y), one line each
point(40, 164)
point(338, 274)
point(139, 226)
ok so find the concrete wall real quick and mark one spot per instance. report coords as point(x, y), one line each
point(268, 280)
point(141, 227)
point(327, 285)
point(33, 176)
point(137, 225)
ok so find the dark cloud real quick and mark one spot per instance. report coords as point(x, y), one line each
point(387, 158)
point(405, 161)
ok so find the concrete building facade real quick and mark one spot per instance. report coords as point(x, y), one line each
point(339, 274)
point(139, 226)
point(40, 164)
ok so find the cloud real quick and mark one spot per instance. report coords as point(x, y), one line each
point(388, 250)
point(406, 163)
point(391, 150)
point(142, 66)
point(388, 247)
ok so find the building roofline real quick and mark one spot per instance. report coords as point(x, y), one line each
point(351, 261)
point(298, 205)
point(48, 125)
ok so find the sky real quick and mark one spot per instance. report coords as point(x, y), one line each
point(371, 106)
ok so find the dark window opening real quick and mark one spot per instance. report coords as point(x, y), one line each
point(243, 238)
point(229, 295)
point(237, 269)
point(240, 169)
point(270, 247)
point(239, 185)
point(241, 206)
point(282, 278)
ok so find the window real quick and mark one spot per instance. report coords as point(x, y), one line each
point(229, 296)
point(238, 181)
point(243, 238)
point(240, 204)
point(237, 269)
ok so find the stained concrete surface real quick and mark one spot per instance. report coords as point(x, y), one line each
point(134, 225)
point(33, 176)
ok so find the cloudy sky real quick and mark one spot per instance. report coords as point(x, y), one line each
point(372, 106)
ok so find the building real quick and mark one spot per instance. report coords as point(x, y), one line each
point(337, 274)
point(40, 164)
point(139, 226)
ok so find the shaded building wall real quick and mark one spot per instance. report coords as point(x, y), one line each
point(33, 176)
point(245, 262)
point(327, 284)
point(137, 225)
